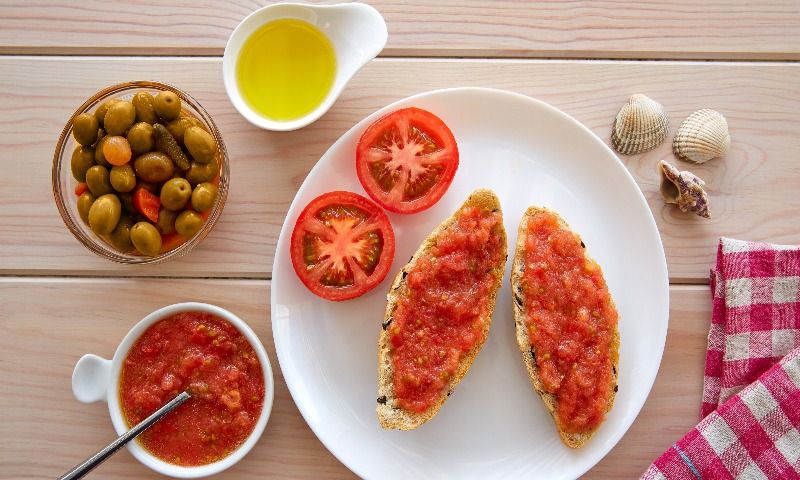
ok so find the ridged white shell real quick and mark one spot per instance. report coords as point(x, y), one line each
point(702, 136)
point(641, 125)
point(684, 189)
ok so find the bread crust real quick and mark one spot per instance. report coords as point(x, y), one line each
point(389, 414)
point(572, 440)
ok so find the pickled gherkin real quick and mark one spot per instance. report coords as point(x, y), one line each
point(165, 143)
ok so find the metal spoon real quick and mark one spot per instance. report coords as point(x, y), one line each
point(90, 463)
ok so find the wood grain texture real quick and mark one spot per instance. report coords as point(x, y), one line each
point(753, 190)
point(44, 430)
point(715, 29)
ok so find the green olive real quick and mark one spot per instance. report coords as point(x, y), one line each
point(175, 193)
point(98, 152)
point(126, 199)
point(199, 172)
point(188, 223)
point(166, 221)
point(81, 161)
point(119, 118)
point(140, 137)
point(100, 113)
point(146, 238)
point(168, 106)
point(178, 126)
point(153, 167)
point(120, 237)
point(150, 187)
point(85, 201)
point(203, 196)
point(104, 214)
point(84, 129)
point(200, 144)
point(98, 180)
point(122, 178)
point(144, 103)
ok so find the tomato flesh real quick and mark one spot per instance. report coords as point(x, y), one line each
point(571, 321)
point(342, 245)
point(407, 160)
point(438, 316)
point(209, 357)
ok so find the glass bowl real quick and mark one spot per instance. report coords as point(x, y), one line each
point(64, 184)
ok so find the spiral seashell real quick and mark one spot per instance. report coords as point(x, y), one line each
point(641, 125)
point(702, 136)
point(684, 189)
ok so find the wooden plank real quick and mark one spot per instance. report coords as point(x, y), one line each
point(753, 190)
point(715, 29)
point(42, 340)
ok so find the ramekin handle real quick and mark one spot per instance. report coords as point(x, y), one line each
point(90, 378)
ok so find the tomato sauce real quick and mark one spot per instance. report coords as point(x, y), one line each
point(438, 319)
point(207, 356)
point(571, 322)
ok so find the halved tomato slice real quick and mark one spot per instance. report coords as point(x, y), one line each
point(342, 245)
point(407, 160)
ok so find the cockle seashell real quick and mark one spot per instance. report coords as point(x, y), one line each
point(702, 136)
point(641, 125)
point(684, 189)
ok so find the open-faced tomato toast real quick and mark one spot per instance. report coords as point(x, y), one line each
point(438, 312)
point(566, 325)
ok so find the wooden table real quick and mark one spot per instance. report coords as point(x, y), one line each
point(58, 301)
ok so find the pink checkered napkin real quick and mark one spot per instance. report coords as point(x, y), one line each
point(756, 315)
point(753, 435)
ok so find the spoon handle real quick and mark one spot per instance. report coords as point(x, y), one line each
point(90, 463)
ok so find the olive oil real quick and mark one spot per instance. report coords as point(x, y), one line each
point(286, 69)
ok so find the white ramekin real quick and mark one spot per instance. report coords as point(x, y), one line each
point(96, 378)
point(356, 30)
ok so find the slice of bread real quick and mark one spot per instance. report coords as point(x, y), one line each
point(573, 440)
point(390, 415)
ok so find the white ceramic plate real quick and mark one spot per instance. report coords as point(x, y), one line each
point(494, 425)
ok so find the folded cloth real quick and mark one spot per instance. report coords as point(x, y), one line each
point(753, 435)
point(756, 315)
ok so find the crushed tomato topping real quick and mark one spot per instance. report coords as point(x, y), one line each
point(571, 321)
point(207, 356)
point(438, 318)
